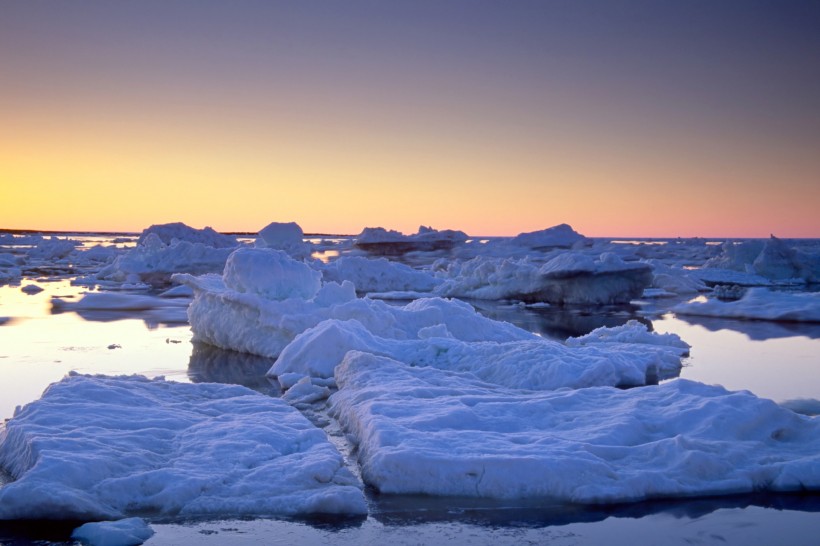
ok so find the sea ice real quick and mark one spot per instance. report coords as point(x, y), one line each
point(167, 233)
point(108, 301)
point(633, 332)
point(124, 532)
point(96, 447)
point(153, 261)
point(381, 241)
point(560, 236)
point(759, 304)
point(569, 277)
point(286, 236)
point(274, 308)
point(535, 364)
point(428, 431)
point(379, 275)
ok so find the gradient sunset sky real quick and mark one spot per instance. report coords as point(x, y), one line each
point(621, 118)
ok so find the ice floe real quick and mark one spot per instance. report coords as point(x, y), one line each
point(97, 447)
point(575, 278)
point(380, 241)
point(560, 236)
point(168, 233)
point(379, 275)
point(535, 364)
point(124, 532)
point(285, 236)
point(428, 431)
point(759, 304)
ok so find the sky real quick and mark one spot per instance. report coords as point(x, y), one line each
point(621, 118)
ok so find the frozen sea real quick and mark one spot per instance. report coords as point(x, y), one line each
point(781, 361)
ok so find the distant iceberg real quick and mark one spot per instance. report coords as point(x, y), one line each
point(380, 241)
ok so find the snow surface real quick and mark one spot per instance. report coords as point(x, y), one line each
point(379, 275)
point(97, 447)
point(428, 431)
point(286, 236)
point(271, 274)
point(759, 304)
point(124, 532)
point(536, 363)
point(633, 332)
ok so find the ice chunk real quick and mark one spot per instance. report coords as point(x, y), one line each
point(632, 332)
point(254, 323)
point(535, 364)
point(426, 431)
point(97, 447)
point(167, 233)
point(271, 274)
point(379, 275)
point(285, 236)
point(154, 262)
point(574, 278)
point(108, 301)
point(124, 532)
point(759, 304)
point(381, 241)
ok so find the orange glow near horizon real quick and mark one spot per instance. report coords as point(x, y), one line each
point(492, 138)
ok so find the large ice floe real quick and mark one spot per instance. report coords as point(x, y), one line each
point(535, 364)
point(98, 447)
point(759, 304)
point(265, 298)
point(422, 430)
point(567, 278)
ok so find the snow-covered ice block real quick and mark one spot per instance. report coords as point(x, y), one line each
point(285, 236)
point(378, 275)
point(97, 447)
point(570, 277)
point(167, 233)
point(258, 321)
point(427, 431)
point(759, 304)
point(269, 273)
point(154, 261)
point(124, 532)
point(536, 363)
point(381, 241)
point(633, 332)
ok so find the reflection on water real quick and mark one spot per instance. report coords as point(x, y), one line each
point(209, 364)
point(756, 330)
